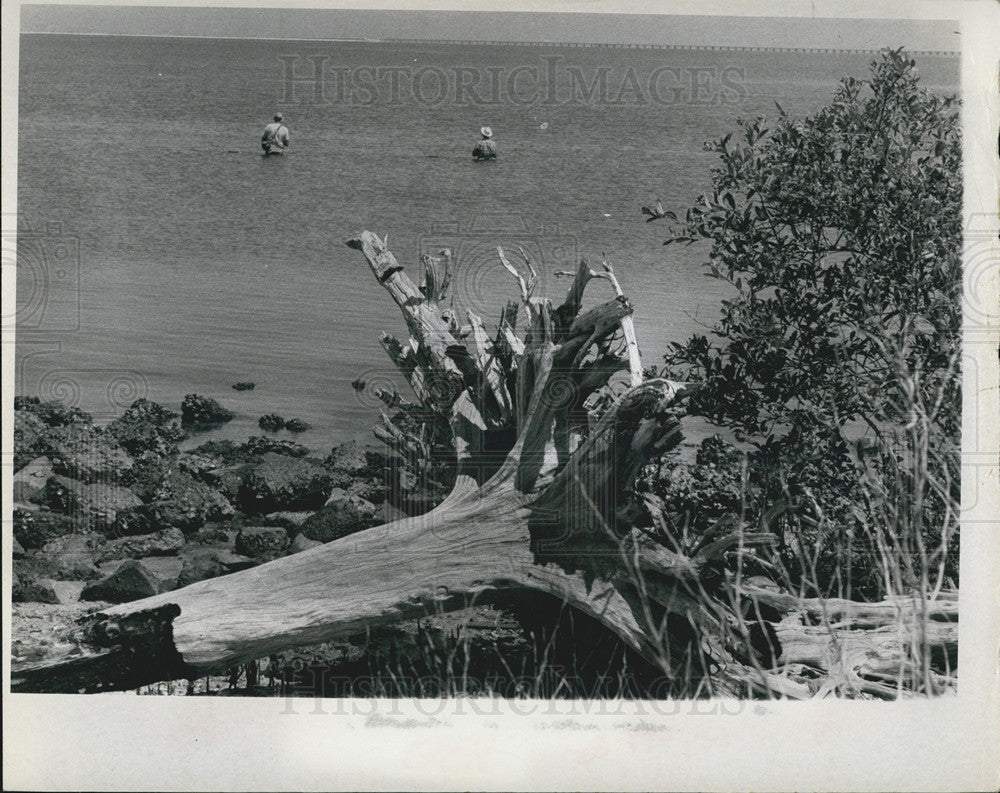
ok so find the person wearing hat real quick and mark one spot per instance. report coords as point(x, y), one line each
point(275, 137)
point(486, 149)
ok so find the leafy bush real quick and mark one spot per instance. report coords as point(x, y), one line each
point(840, 237)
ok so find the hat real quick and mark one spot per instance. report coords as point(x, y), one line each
point(278, 117)
point(486, 132)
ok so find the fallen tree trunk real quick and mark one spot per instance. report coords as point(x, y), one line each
point(542, 490)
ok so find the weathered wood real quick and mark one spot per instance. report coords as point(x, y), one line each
point(541, 515)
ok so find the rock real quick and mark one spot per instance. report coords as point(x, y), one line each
point(340, 518)
point(29, 482)
point(68, 592)
point(226, 451)
point(17, 550)
point(110, 566)
point(167, 542)
point(338, 495)
point(212, 535)
point(355, 467)
point(244, 386)
point(284, 483)
point(200, 466)
point(271, 422)
point(228, 480)
point(199, 411)
point(28, 432)
point(146, 475)
point(52, 414)
point(261, 541)
point(231, 453)
point(69, 558)
point(178, 500)
point(184, 502)
point(93, 507)
point(147, 427)
point(297, 425)
point(288, 520)
point(132, 581)
point(302, 543)
point(234, 562)
point(208, 563)
point(374, 491)
point(35, 527)
point(166, 568)
point(26, 588)
point(258, 445)
point(86, 453)
point(348, 458)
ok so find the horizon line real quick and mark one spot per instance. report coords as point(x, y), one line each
point(497, 42)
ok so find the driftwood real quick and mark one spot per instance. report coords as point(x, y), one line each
point(540, 502)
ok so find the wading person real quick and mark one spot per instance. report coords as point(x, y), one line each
point(486, 149)
point(275, 137)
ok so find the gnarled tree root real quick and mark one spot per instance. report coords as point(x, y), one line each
point(541, 515)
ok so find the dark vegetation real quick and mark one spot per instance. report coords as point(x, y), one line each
point(836, 355)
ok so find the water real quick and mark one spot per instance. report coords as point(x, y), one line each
point(161, 255)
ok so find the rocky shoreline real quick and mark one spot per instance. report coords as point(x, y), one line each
point(106, 515)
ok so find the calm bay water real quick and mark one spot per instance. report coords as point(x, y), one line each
point(161, 255)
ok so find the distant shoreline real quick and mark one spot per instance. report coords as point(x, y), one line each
point(486, 43)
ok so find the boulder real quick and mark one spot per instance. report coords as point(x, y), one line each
point(339, 495)
point(226, 451)
point(86, 453)
point(356, 468)
point(200, 466)
point(271, 422)
point(184, 502)
point(35, 527)
point(297, 425)
point(288, 520)
point(93, 507)
point(29, 482)
point(199, 411)
point(52, 414)
point(167, 542)
point(232, 453)
point(146, 475)
point(340, 518)
point(68, 592)
point(212, 535)
point(258, 445)
point(244, 385)
point(281, 483)
point(178, 500)
point(228, 480)
point(69, 558)
point(262, 541)
point(348, 458)
point(131, 581)
point(27, 588)
point(302, 543)
point(208, 563)
point(147, 427)
point(372, 490)
point(166, 568)
point(28, 432)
